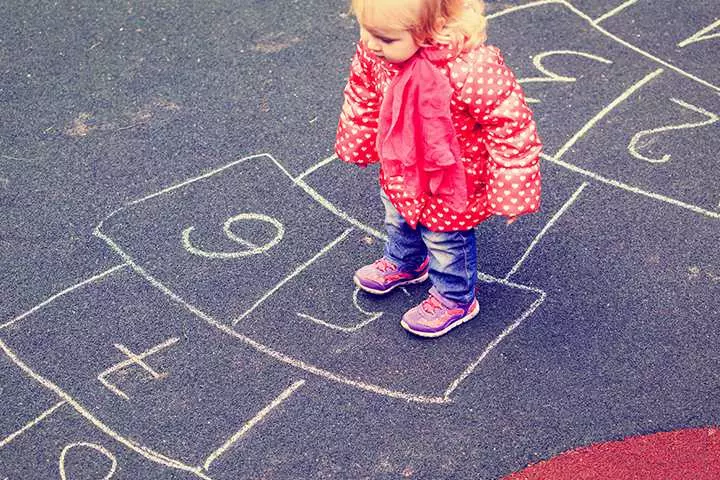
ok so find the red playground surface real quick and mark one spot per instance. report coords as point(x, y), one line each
point(679, 455)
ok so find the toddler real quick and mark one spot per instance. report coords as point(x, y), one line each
point(455, 139)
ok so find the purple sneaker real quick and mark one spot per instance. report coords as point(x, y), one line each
point(382, 275)
point(436, 315)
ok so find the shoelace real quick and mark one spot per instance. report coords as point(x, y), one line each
point(384, 265)
point(431, 304)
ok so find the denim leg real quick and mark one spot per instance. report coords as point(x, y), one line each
point(404, 246)
point(453, 263)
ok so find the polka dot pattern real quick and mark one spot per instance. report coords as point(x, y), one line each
point(495, 129)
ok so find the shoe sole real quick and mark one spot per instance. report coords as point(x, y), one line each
point(362, 287)
point(470, 315)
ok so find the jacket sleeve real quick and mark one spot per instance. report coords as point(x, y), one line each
point(357, 129)
point(508, 132)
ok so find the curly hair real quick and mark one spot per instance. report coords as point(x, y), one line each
point(459, 23)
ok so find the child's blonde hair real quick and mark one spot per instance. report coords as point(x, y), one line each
point(464, 23)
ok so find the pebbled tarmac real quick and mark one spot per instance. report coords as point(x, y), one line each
point(130, 130)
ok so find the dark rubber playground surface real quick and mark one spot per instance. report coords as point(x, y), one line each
point(177, 247)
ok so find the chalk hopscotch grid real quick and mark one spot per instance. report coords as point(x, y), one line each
point(328, 375)
point(596, 25)
point(169, 462)
point(145, 452)
point(557, 157)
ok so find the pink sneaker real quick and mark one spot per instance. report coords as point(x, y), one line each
point(382, 275)
point(436, 315)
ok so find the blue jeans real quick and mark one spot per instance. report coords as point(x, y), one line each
point(453, 255)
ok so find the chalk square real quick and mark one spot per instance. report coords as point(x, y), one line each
point(689, 32)
point(249, 219)
point(662, 139)
point(208, 384)
point(330, 325)
point(584, 69)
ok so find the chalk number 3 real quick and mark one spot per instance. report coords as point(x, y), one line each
point(551, 76)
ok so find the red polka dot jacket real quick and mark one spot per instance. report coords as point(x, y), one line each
point(495, 129)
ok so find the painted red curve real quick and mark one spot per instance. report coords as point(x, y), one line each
point(691, 454)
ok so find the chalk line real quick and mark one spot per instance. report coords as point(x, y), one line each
point(614, 11)
point(373, 316)
point(295, 272)
point(521, 7)
point(589, 125)
point(193, 180)
point(507, 331)
point(64, 292)
point(545, 229)
point(630, 188)
point(601, 30)
point(252, 422)
point(333, 326)
point(31, 424)
point(638, 50)
point(700, 36)
point(317, 166)
point(323, 201)
point(141, 450)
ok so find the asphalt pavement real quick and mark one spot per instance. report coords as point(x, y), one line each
point(177, 244)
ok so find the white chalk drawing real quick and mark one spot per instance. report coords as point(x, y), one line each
point(37, 307)
point(292, 275)
point(227, 228)
point(92, 446)
point(551, 76)
point(5, 441)
point(507, 331)
point(605, 111)
point(633, 147)
point(317, 166)
point(614, 11)
point(134, 359)
point(545, 229)
point(702, 35)
point(630, 188)
point(373, 316)
point(166, 461)
point(251, 423)
point(600, 29)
